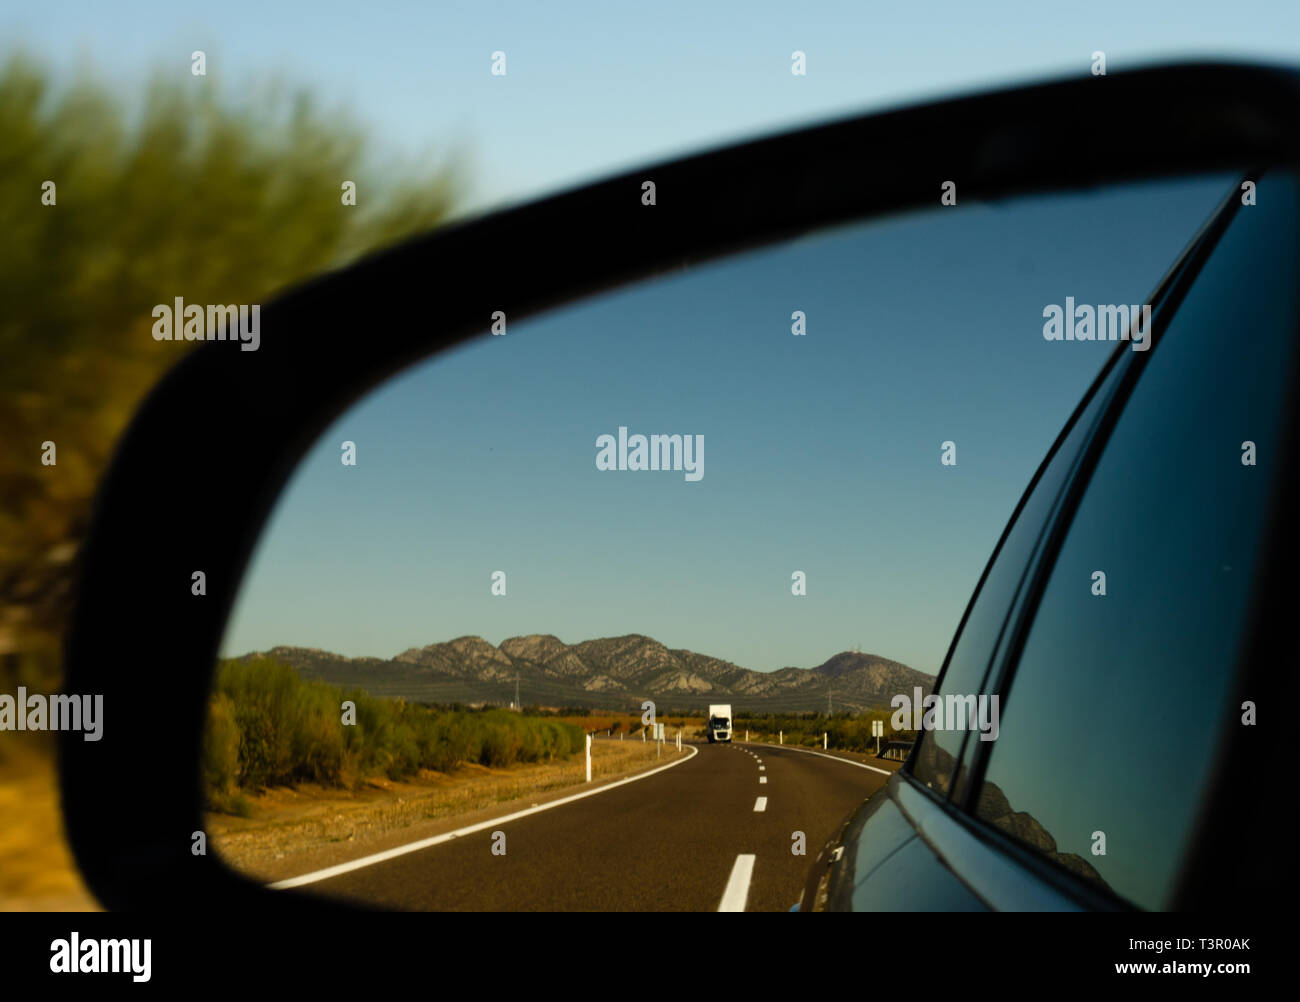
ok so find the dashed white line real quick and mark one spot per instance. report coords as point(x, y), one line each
point(760, 804)
point(762, 779)
point(737, 892)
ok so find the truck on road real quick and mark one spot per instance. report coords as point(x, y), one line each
point(719, 722)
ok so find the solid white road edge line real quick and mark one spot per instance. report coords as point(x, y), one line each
point(836, 758)
point(737, 892)
point(424, 843)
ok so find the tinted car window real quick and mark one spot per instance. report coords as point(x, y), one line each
point(1110, 724)
point(938, 751)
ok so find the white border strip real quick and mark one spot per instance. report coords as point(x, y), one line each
point(737, 892)
point(424, 843)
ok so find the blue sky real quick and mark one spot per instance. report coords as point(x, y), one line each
point(595, 87)
point(396, 552)
point(822, 452)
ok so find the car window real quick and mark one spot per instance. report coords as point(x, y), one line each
point(937, 754)
point(1109, 728)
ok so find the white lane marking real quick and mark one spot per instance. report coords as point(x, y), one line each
point(760, 804)
point(424, 843)
point(762, 779)
point(762, 768)
point(836, 758)
point(737, 892)
point(757, 759)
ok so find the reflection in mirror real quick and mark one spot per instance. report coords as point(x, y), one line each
point(652, 539)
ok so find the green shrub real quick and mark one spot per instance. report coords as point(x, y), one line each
point(268, 726)
point(221, 747)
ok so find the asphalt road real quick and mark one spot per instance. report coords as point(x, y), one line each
point(665, 843)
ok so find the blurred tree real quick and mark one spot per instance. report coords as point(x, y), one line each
point(187, 194)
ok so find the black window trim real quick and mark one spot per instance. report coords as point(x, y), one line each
point(1001, 672)
point(1121, 356)
point(964, 859)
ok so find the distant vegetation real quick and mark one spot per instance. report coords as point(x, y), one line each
point(181, 188)
point(616, 722)
point(267, 727)
point(847, 732)
point(546, 671)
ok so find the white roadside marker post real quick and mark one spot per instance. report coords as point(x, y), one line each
point(823, 740)
point(781, 735)
point(588, 758)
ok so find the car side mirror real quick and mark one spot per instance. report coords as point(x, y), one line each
point(210, 452)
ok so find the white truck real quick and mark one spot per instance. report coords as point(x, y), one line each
point(719, 723)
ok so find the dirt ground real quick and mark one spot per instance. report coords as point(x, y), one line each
point(37, 872)
point(295, 830)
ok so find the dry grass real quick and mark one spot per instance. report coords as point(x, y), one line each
point(37, 872)
point(626, 722)
point(294, 830)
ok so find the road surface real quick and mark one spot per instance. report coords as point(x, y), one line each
point(669, 842)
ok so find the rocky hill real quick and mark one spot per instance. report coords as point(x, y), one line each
point(611, 673)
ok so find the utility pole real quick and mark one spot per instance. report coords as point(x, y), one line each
point(517, 705)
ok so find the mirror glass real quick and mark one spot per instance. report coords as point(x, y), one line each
point(679, 536)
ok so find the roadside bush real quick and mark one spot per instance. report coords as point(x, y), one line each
point(502, 740)
point(221, 748)
point(268, 726)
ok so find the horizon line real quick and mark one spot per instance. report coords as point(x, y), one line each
point(521, 636)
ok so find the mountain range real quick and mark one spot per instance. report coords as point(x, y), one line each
point(613, 673)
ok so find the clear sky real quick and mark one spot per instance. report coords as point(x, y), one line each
point(370, 565)
point(597, 86)
point(822, 452)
